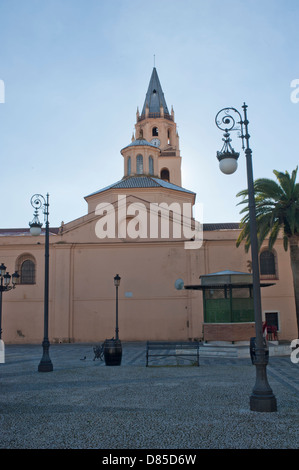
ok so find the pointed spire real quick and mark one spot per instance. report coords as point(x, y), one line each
point(154, 97)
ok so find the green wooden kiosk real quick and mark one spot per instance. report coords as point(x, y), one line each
point(227, 305)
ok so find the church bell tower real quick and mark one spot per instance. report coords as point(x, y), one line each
point(156, 139)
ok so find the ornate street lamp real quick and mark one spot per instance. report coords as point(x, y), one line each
point(5, 279)
point(113, 347)
point(38, 201)
point(229, 119)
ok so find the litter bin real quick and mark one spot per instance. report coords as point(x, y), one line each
point(253, 349)
point(112, 352)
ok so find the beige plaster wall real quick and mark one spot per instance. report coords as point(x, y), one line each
point(82, 292)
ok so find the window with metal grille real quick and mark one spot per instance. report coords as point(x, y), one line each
point(26, 267)
point(28, 272)
point(267, 264)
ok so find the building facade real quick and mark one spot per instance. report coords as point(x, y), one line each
point(141, 228)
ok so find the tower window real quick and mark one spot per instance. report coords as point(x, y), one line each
point(165, 174)
point(129, 166)
point(151, 165)
point(139, 165)
point(155, 132)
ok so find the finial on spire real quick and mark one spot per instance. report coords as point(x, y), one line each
point(154, 60)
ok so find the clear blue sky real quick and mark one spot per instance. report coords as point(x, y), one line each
point(76, 70)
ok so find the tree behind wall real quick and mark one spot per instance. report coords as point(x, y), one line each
point(277, 210)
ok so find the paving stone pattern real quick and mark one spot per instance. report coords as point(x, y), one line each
point(84, 404)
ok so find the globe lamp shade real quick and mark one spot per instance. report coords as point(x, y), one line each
point(35, 229)
point(228, 166)
point(228, 161)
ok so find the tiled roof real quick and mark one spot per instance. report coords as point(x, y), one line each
point(168, 185)
point(221, 226)
point(17, 232)
point(226, 272)
point(140, 142)
point(142, 181)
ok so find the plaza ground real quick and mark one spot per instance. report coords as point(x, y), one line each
point(84, 404)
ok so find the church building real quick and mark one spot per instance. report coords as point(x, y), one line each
point(181, 279)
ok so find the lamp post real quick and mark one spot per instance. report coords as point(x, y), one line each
point(37, 201)
point(230, 119)
point(116, 283)
point(5, 286)
point(113, 347)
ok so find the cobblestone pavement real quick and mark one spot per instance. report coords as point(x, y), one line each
point(83, 404)
point(285, 372)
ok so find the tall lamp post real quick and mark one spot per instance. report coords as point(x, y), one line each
point(230, 119)
point(5, 286)
point(116, 283)
point(38, 201)
point(113, 347)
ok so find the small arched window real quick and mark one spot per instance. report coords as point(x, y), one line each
point(129, 166)
point(165, 174)
point(268, 264)
point(26, 267)
point(155, 132)
point(151, 165)
point(139, 165)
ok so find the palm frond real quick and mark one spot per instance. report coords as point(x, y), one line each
point(276, 208)
point(265, 187)
point(274, 233)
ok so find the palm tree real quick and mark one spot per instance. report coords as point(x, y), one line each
point(277, 210)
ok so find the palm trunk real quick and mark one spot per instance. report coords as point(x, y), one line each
point(294, 254)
